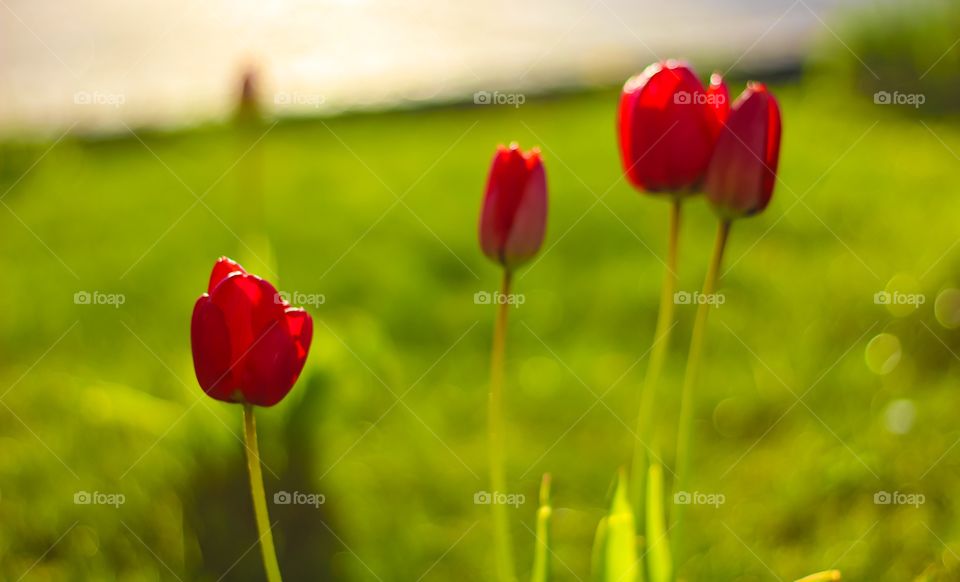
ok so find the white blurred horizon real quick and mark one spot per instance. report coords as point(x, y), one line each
point(100, 65)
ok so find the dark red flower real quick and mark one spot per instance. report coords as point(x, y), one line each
point(668, 124)
point(514, 215)
point(249, 345)
point(743, 170)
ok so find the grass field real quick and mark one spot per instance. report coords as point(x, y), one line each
point(377, 213)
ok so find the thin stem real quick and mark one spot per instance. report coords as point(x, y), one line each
point(502, 544)
point(693, 365)
point(658, 353)
point(259, 497)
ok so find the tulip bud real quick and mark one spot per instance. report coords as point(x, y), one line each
point(249, 344)
point(514, 215)
point(743, 169)
point(668, 124)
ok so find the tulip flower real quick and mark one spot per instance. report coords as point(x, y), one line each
point(668, 123)
point(514, 215)
point(743, 169)
point(512, 224)
point(249, 346)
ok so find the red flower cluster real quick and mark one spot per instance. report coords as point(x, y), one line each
point(677, 136)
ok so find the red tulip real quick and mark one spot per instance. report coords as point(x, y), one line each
point(744, 166)
point(668, 125)
point(249, 345)
point(514, 215)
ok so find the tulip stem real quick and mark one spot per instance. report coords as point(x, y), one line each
point(693, 367)
point(658, 353)
point(502, 543)
point(264, 528)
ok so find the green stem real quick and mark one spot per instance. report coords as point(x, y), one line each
point(259, 497)
point(502, 545)
point(693, 368)
point(658, 354)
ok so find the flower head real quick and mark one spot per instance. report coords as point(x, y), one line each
point(514, 215)
point(668, 124)
point(249, 345)
point(743, 169)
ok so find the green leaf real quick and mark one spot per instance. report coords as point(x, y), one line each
point(660, 562)
point(541, 555)
point(621, 563)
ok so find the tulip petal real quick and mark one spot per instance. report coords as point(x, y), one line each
point(772, 151)
point(210, 343)
point(221, 270)
point(529, 220)
point(718, 101)
point(300, 327)
point(270, 366)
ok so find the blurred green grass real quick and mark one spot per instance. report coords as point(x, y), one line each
point(104, 399)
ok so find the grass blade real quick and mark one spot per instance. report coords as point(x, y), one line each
point(660, 561)
point(541, 555)
point(620, 554)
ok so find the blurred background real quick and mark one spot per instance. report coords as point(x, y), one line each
point(340, 150)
